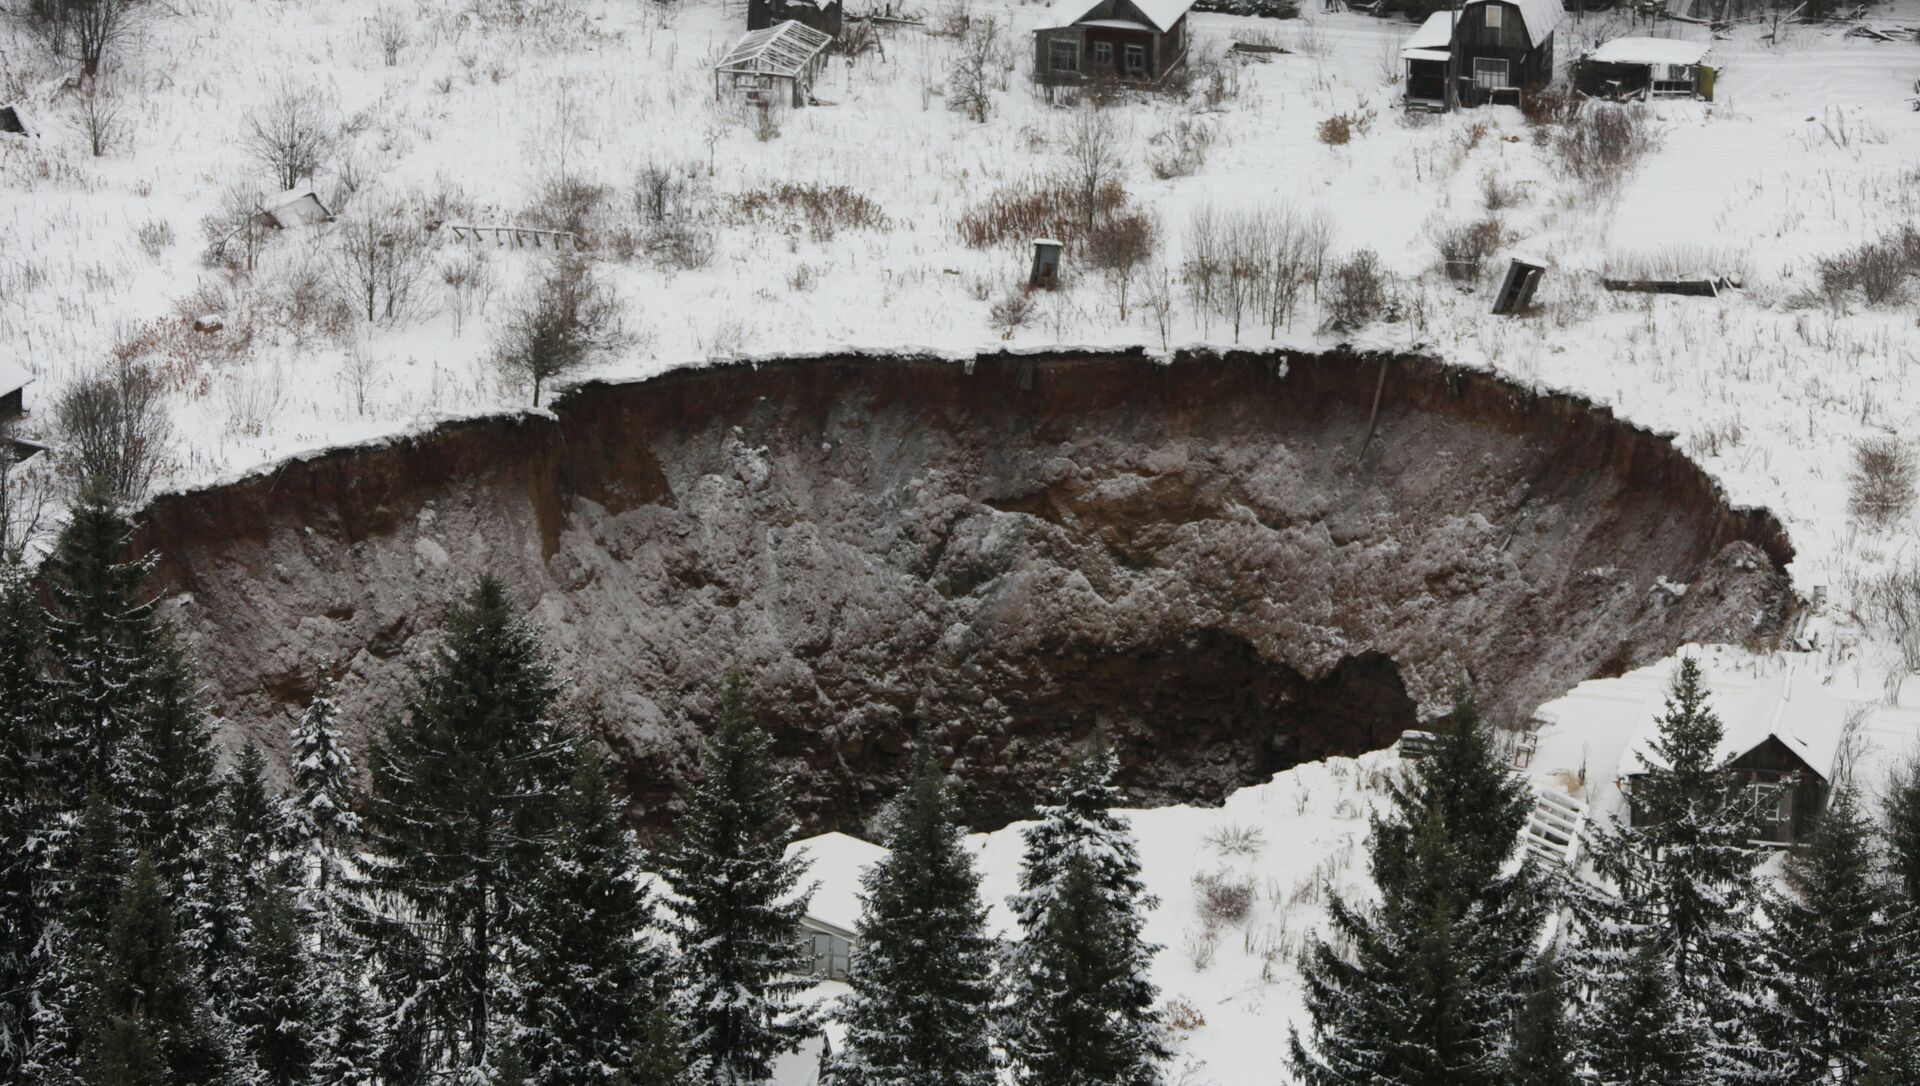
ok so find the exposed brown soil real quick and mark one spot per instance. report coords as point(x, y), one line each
point(1196, 558)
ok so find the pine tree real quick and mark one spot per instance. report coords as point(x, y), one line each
point(1423, 989)
point(920, 1007)
point(275, 1006)
point(322, 822)
point(1903, 832)
point(25, 813)
point(736, 905)
point(660, 1058)
point(1543, 1044)
point(1644, 1033)
point(589, 973)
point(1895, 1057)
point(1078, 1000)
point(91, 860)
point(147, 1019)
point(463, 798)
point(1686, 883)
point(1833, 952)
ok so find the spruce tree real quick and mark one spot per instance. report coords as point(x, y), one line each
point(1833, 953)
point(463, 798)
point(322, 823)
point(736, 906)
point(660, 1059)
point(590, 973)
point(920, 1007)
point(1423, 988)
point(1081, 963)
point(147, 1019)
point(91, 862)
point(1685, 883)
point(25, 813)
point(1903, 832)
point(1894, 1059)
point(1644, 1033)
point(275, 1005)
point(1543, 1042)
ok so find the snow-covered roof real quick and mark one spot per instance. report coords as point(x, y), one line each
point(296, 207)
point(13, 376)
point(1161, 13)
point(782, 49)
point(1541, 16)
point(836, 861)
point(1651, 51)
point(1433, 40)
point(1788, 706)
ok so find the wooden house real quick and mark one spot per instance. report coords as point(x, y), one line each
point(1646, 68)
point(835, 863)
point(822, 15)
point(1130, 41)
point(1781, 740)
point(1484, 51)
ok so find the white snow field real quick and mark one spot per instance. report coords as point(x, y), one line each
point(1811, 146)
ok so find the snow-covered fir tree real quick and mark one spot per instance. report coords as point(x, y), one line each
point(1423, 988)
point(1834, 956)
point(1544, 1049)
point(275, 1005)
point(920, 1010)
point(1684, 882)
point(1643, 1032)
point(736, 903)
point(25, 813)
point(464, 790)
point(591, 972)
point(1903, 834)
point(322, 822)
point(1895, 1057)
point(1077, 1003)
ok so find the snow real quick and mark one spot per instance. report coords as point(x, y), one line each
point(1786, 704)
point(1652, 51)
point(836, 862)
point(1541, 16)
point(1434, 39)
point(13, 376)
point(1161, 13)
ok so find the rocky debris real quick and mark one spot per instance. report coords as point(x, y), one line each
point(1192, 558)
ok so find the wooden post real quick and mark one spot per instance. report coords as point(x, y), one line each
point(1373, 419)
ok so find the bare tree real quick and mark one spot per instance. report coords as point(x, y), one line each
point(236, 230)
point(1118, 248)
point(390, 29)
point(970, 86)
point(381, 260)
point(26, 500)
point(292, 131)
point(82, 31)
point(1093, 161)
point(359, 370)
point(98, 119)
point(1159, 302)
point(562, 321)
point(114, 431)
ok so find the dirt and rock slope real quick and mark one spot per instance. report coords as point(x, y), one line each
point(1209, 560)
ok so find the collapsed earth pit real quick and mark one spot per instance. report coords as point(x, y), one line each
point(1226, 564)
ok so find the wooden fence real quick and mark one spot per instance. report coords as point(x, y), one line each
point(517, 237)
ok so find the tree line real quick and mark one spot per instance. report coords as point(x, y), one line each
point(1681, 964)
point(473, 908)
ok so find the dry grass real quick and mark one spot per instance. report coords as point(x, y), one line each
point(1020, 212)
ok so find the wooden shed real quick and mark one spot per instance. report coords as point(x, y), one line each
point(835, 863)
point(774, 66)
point(1485, 51)
point(1782, 738)
point(1646, 68)
point(1130, 41)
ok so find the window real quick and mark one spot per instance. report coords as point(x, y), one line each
point(1770, 803)
point(1494, 14)
point(1489, 73)
point(1103, 54)
point(1136, 58)
point(1063, 55)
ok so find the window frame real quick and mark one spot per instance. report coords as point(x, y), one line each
point(1103, 53)
point(1495, 17)
point(1132, 50)
point(1058, 47)
point(1484, 67)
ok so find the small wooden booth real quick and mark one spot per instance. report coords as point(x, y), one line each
point(1646, 68)
point(777, 65)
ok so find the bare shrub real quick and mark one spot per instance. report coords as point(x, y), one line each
point(1339, 129)
point(568, 204)
point(468, 278)
point(1180, 149)
point(1093, 164)
point(1547, 107)
point(1030, 209)
point(558, 325)
point(97, 118)
point(1878, 270)
point(1361, 291)
point(380, 260)
point(1599, 142)
point(1158, 299)
point(26, 500)
point(1200, 942)
point(1236, 839)
point(1183, 1016)
point(1223, 899)
point(292, 131)
point(659, 189)
point(824, 209)
point(1882, 481)
point(235, 231)
point(951, 19)
point(682, 245)
point(1251, 264)
point(359, 372)
point(1890, 604)
point(82, 31)
point(1012, 311)
point(970, 84)
point(155, 237)
point(114, 431)
point(1118, 247)
point(1465, 247)
point(1497, 194)
point(391, 29)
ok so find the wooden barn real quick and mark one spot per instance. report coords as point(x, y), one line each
point(1130, 41)
point(1646, 68)
point(1486, 51)
point(823, 15)
point(1781, 741)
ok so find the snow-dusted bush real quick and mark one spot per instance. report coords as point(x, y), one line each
point(1878, 270)
point(1180, 149)
point(570, 204)
point(381, 260)
point(557, 325)
point(1361, 291)
point(1882, 481)
point(1465, 247)
point(1222, 898)
point(1012, 311)
point(1599, 142)
point(1890, 603)
point(1236, 839)
point(114, 431)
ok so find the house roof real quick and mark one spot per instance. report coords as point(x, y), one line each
point(1541, 16)
point(295, 207)
point(1651, 51)
point(13, 376)
point(781, 49)
point(1433, 40)
point(1162, 14)
point(836, 861)
point(1790, 707)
